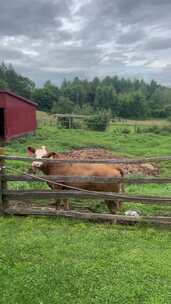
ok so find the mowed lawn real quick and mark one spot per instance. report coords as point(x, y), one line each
point(64, 261)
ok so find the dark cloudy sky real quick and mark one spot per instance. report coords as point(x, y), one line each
point(57, 39)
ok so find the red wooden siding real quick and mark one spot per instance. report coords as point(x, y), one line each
point(20, 115)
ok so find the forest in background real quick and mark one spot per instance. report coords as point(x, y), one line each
point(120, 97)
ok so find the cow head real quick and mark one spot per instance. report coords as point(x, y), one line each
point(39, 154)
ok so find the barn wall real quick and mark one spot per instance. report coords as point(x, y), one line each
point(2, 101)
point(20, 117)
point(3, 105)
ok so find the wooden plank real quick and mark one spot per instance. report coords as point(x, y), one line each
point(48, 194)
point(92, 179)
point(72, 116)
point(94, 217)
point(70, 123)
point(159, 217)
point(90, 161)
point(62, 179)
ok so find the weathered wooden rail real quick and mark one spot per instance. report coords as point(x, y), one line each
point(45, 194)
point(90, 161)
point(21, 195)
point(93, 217)
point(92, 179)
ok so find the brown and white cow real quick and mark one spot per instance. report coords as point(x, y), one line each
point(78, 169)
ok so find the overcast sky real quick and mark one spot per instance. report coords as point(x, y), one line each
point(57, 39)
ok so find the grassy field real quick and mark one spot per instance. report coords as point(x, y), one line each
point(130, 145)
point(65, 261)
point(50, 261)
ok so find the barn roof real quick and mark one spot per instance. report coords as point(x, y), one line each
point(19, 97)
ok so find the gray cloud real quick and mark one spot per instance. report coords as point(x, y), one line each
point(159, 44)
point(132, 36)
point(7, 54)
point(57, 39)
point(31, 18)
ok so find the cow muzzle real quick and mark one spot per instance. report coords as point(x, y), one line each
point(37, 164)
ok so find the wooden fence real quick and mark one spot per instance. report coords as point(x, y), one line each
point(20, 195)
point(56, 120)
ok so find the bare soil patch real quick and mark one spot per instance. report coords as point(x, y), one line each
point(93, 153)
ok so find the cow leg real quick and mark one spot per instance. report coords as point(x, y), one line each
point(66, 204)
point(113, 206)
point(62, 203)
point(120, 204)
point(56, 204)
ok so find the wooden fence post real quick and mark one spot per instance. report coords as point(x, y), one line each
point(70, 121)
point(3, 184)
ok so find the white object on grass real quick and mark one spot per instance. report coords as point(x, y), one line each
point(131, 213)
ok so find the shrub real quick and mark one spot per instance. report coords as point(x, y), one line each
point(139, 130)
point(155, 130)
point(98, 122)
point(78, 124)
point(126, 131)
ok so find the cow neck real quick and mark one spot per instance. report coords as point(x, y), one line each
point(45, 168)
point(48, 168)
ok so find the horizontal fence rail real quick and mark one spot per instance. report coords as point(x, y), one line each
point(93, 161)
point(45, 194)
point(94, 217)
point(92, 179)
point(72, 116)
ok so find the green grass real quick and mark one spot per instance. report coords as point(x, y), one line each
point(129, 145)
point(145, 144)
point(51, 261)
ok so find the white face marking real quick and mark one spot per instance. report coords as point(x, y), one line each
point(39, 153)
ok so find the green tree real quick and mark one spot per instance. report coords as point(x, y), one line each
point(46, 96)
point(122, 97)
point(16, 83)
point(3, 84)
point(64, 105)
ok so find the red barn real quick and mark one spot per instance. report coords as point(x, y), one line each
point(17, 116)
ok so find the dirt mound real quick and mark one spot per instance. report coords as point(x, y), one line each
point(137, 169)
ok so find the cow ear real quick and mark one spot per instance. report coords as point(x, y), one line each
point(51, 154)
point(30, 151)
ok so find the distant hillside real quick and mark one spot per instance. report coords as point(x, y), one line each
point(120, 97)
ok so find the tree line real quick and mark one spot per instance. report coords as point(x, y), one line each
point(120, 97)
